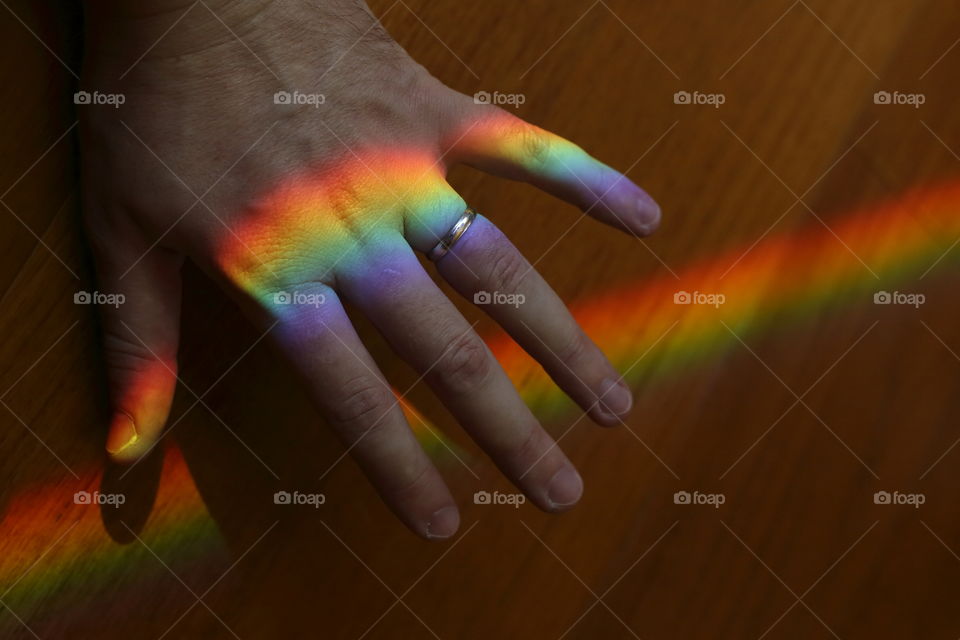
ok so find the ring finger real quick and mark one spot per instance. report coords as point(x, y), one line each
point(485, 263)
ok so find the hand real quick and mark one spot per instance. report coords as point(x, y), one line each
point(301, 206)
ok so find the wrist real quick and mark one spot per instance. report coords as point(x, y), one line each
point(182, 31)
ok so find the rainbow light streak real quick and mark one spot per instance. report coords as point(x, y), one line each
point(86, 564)
point(428, 435)
point(79, 563)
point(791, 276)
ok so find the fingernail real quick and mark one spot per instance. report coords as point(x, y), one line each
point(565, 488)
point(123, 434)
point(443, 523)
point(648, 212)
point(615, 397)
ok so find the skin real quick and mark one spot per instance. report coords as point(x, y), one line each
point(328, 203)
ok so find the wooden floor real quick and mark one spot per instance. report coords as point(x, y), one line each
point(799, 549)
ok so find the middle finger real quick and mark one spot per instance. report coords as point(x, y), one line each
point(424, 328)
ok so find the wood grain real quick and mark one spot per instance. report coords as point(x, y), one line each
point(799, 550)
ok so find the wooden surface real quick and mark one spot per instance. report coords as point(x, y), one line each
point(798, 550)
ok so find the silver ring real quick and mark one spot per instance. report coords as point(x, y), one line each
point(456, 232)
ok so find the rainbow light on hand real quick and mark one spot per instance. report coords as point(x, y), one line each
point(324, 219)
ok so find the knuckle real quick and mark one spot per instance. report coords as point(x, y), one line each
point(574, 346)
point(507, 270)
point(358, 406)
point(464, 365)
point(345, 203)
point(443, 204)
point(530, 446)
point(413, 484)
point(536, 146)
point(125, 353)
point(428, 219)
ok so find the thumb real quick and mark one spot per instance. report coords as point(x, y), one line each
point(139, 290)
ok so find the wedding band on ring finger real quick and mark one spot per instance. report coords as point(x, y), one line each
point(452, 236)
